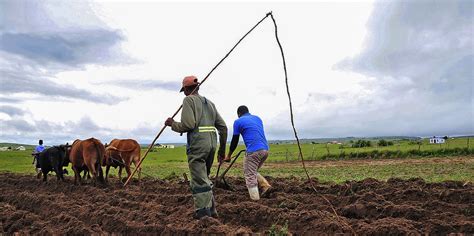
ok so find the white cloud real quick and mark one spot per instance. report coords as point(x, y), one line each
point(101, 92)
point(420, 57)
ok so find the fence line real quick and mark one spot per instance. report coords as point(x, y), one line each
point(400, 151)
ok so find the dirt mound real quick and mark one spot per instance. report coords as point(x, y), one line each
point(368, 207)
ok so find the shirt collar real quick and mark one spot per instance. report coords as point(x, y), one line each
point(246, 114)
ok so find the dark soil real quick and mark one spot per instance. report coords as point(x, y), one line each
point(369, 207)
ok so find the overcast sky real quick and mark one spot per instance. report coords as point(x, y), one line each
point(77, 69)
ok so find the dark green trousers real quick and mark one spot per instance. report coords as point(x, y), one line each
point(201, 186)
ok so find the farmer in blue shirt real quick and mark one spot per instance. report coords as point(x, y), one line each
point(40, 147)
point(35, 154)
point(251, 129)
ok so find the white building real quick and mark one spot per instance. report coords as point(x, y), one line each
point(165, 146)
point(20, 148)
point(436, 140)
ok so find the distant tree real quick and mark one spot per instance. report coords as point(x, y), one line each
point(368, 143)
point(356, 144)
point(361, 143)
point(384, 143)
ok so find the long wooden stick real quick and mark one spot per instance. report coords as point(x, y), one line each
point(149, 148)
point(179, 109)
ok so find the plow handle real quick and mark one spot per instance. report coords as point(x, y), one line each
point(232, 163)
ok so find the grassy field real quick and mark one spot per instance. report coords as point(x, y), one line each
point(289, 152)
point(168, 163)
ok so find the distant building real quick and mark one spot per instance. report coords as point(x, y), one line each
point(436, 140)
point(335, 142)
point(2, 149)
point(20, 148)
point(167, 146)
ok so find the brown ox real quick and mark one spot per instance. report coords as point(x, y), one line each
point(120, 153)
point(87, 154)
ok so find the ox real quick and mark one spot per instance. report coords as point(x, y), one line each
point(87, 155)
point(83, 168)
point(120, 153)
point(54, 159)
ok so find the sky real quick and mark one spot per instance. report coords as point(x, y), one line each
point(113, 69)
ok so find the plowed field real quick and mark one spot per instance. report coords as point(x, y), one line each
point(368, 207)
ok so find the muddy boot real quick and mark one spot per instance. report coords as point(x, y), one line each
point(253, 192)
point(201, 213)
point(214, 209)
point(263, 184)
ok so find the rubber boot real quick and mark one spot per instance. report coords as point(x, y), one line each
point(263, 184)
point(201, 213)
point(253, 192)
point(214, 209)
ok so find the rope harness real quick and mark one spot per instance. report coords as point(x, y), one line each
point(291, 113)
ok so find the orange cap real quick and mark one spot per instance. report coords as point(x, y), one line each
point(189, 81)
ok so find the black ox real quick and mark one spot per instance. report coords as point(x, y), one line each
point(54, 159)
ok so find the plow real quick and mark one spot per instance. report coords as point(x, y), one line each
point(220, 181)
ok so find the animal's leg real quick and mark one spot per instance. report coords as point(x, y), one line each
point(45, 175)
point(127, 168)
point(136, 162)
point(77, 175)
point(107, 173)
point(60, 173)
point(86, 174)
point(94, 173)
point(100, 172)
point(58, 169)
point(120, 173)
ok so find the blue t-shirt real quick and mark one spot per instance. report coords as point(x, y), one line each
point(39, 148)
point(251, 128)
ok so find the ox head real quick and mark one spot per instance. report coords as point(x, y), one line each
point(65, 150)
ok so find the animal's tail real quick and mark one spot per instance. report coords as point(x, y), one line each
point(100, 158)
